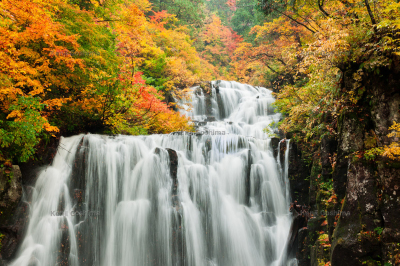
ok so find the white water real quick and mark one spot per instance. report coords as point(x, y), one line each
point(221, 211)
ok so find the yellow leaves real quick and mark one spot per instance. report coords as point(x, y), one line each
point(181, 76)
point(393, 150)
point(396, 130)
point(391, 13)
point(95, 3)
point(143, 5)
point(352, 97)
point(55, 104)
point(133, 16)
point(50, 128)
point(38, 88)
point(17, 114)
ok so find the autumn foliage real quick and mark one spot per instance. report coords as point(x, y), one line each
point(119, 67)
point(305, 49)
point(218, 44)
point(67, 68)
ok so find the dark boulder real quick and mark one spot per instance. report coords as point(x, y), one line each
point(300, 218)
point(14, 212)
point(211, 119)
point(275, 147)
point(298, 173)
point(173, 168)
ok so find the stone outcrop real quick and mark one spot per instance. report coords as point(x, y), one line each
point(300, 219)
point(173, 161)
point(298, 173)
point(13, 212)
point(353, 201)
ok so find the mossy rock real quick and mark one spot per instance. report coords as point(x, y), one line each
point(320, 253)
point(370, 262)
point(10, 194)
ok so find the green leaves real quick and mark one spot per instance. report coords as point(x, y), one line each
point(379, 231)
point(18, 137)
point(188, 12)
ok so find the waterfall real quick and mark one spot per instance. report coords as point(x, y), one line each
point(215, 198)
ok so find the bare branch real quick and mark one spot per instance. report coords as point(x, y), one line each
point(370, 12)
point(320, 6)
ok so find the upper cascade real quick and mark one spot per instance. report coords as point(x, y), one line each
point(232, 108)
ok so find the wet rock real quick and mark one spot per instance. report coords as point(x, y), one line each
point(319, 253)
point(298, 174)
point(181, 133)
point(275, 147)
point(269, 218)
point(350, 243)
point(328, 148)
point(173, 168)
point(78, 177)
point(201, 123)
point(14, 212)
point(242, 142)
point(211, 119)
point(300, 218)
point(221, 108)
point(10, 191)
point(178, 240)
point(62, 253)
point(390, 202)
point(248, 181)
point(208, 145)
point(389, 207)
point(350, 140)
point(217, 89)
point(79, 195)
point(313, 191)
point(173, 159)
point(303, 250)
point(315, 225)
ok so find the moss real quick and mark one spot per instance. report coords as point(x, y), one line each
point(1, 240)
point(321, 252)
point(353, 221)
point(368, 261)
point(323, 237)
point(323, 195)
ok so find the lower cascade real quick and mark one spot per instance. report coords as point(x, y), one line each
point(218, 197)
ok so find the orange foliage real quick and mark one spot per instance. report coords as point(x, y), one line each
point(219, 42)
point(32, 56)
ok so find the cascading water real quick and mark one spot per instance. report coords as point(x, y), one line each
point(217, 199)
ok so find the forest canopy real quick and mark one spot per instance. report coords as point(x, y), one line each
point(120, 66)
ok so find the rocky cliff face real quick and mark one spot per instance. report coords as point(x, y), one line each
point(352, 203)
point(13, 212)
